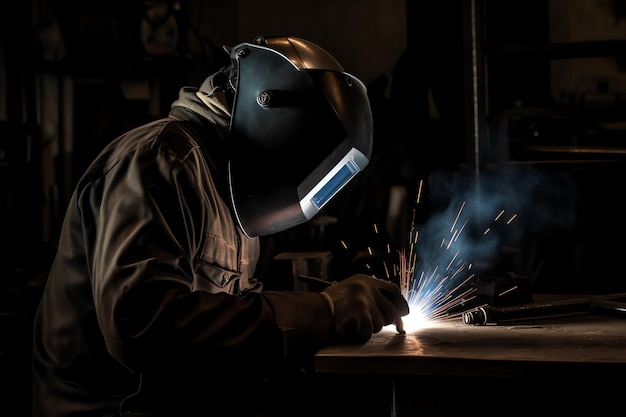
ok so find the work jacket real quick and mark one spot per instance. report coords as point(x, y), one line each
point(150, 307)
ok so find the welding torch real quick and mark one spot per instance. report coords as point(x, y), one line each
point(605, 304)
point(322, 283)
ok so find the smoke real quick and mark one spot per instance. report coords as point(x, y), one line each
point(473, 220)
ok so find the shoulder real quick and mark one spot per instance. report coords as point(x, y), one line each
point(164, 137)
point(166, 146)
point(176, 138)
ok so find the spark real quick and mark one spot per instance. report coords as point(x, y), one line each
point(508, 291)
point(440, 290)
point(461, 229)
point(386, 270)
point(452, 260)
point(419, 192)
point(457, 216)
point(437, 286)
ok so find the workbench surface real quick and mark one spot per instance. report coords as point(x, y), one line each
point(579, 345)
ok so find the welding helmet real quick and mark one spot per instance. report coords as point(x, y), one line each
point(301, 129)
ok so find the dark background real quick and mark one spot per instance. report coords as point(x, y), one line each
point(529, 92)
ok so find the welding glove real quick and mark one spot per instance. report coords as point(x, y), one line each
point(362, 305)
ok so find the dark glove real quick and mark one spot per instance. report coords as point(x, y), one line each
point(363, 305)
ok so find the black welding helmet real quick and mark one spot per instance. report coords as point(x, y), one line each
point(301, 129)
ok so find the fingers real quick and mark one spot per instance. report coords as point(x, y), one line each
point(387, 295)
point(391, 292)
point(392, 306)
point(364, 305)
point(400, 326)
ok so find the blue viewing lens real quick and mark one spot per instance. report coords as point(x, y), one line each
point(334, 184)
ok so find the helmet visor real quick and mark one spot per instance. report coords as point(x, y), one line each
point(290, 155)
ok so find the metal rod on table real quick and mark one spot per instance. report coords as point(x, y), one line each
point(590, 304)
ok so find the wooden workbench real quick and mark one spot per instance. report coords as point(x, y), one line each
point(558, 365)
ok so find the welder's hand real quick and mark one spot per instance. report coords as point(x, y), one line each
point(363, 305)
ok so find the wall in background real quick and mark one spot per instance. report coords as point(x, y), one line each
point(83, 73)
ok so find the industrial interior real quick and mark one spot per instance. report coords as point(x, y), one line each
point(507, 115)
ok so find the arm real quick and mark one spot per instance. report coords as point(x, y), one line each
point(153, 211)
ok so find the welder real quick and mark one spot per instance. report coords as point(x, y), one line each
point(151, 306)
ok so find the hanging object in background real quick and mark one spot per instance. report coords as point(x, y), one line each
point(159, 28)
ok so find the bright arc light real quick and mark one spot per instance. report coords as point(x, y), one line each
point(412, 322)
point(415, 321)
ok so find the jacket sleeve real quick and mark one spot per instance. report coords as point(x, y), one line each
point(149, 211)
point(305, 320)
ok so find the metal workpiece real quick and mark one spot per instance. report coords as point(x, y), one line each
point(604, 304)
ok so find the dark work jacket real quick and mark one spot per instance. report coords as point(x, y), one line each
point(150, 307)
